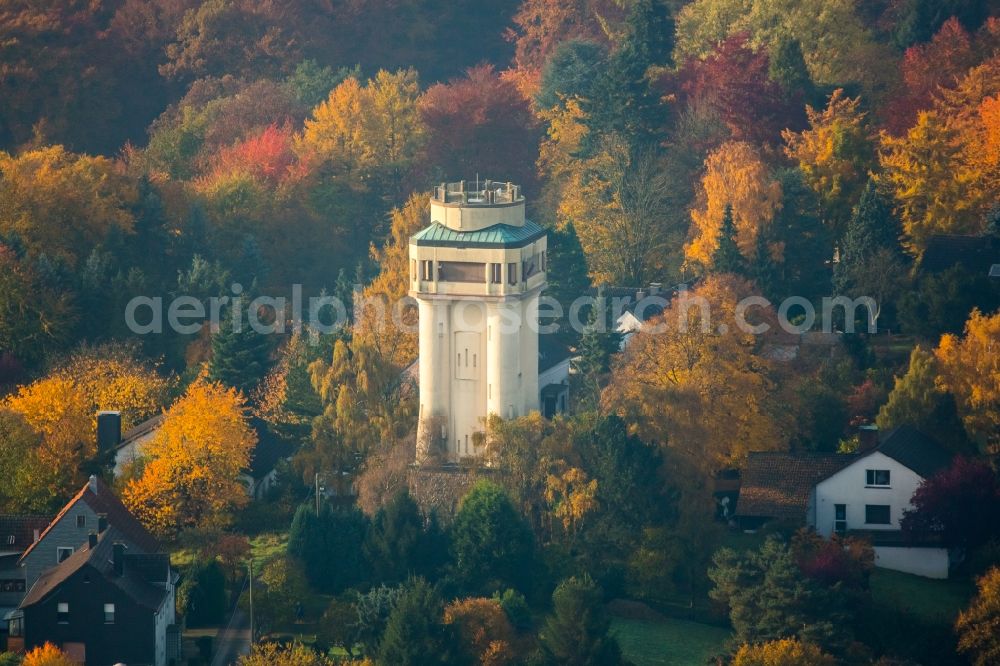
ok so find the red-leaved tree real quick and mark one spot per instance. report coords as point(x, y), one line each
point(733, 81)
point(962, 503)
point(480, 123)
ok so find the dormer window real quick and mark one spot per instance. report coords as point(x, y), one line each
point(877, 478)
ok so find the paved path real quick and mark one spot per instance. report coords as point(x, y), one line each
point(233, 640)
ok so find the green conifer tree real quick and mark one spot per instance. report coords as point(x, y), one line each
point(577, 631)
point(727, 257)
point(240, 355)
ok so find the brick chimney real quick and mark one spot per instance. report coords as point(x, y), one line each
point(867, 438)
point(102, 522)
point(92, 540)
point(118, 558)
point(109, 430)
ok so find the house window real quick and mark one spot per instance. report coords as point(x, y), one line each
point(63, 552)
point(512, 273)
point(81, 521)
point(12, 585)
point(496, 274)
point(877, 514)
point(15, 627)
point(109, 613)
point(840, 518)
point(62, 612)
point(877, 478)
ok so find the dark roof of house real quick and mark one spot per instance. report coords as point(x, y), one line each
point(974, 253)
point(103, 500)
point(498, 235)
point(138, 580)
point(551, 351)
point(917, 451)
point(17, 532)
point(269, 451)
point(778, 485)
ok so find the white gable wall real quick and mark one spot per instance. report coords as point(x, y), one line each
point(848, 486)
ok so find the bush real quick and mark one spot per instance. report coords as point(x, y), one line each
point(329, 546)
point(784, 652)
point(490, 542)
point(201, 596)
point(577, 630)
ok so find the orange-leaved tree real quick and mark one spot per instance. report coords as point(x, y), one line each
point(47, 655)
point(701, 385)
point(736, 176)
point(192, 466)
point(483, 629)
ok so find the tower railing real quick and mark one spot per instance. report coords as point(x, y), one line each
point(477, 193)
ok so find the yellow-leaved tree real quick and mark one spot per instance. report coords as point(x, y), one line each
point(362, 127)
point(191, 467)
point(63, 417)
point(389, 322)
point(700, 385)
point(835, 155)
point(619, 201)
point(945, 171)
point(62, 409)
point(61, 203)
point(736, 176)
point(969, 368)
point(782, 652)
point(978, 626)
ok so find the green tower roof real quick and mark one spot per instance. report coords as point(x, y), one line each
point(499, 235)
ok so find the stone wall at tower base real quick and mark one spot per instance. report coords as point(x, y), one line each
point(439, 488)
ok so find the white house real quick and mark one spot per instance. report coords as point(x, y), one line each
point(864, 494)
point(870, 494)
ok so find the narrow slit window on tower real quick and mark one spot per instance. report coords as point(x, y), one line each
point(413, 269)
point(496, 274)
point(512, 273)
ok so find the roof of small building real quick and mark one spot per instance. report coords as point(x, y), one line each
point(974, 253)
point(914, 449)
point(499, 235)
point(17, 532)
point(141, 572)
point(103, 500)
point(551, 351)
point(778, 485)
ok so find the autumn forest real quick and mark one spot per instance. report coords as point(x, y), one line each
point(740, 149)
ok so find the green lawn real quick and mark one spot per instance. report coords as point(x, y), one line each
point(926, 598)
point(668, 641)
point(265, 547)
